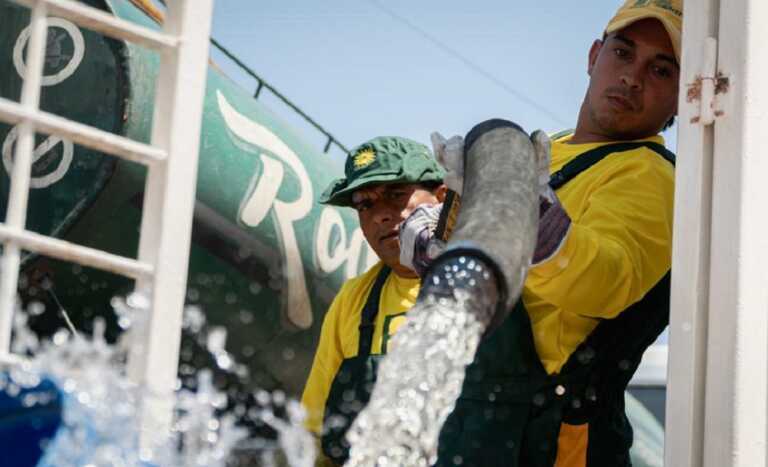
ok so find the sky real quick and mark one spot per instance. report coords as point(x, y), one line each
point(365, 68)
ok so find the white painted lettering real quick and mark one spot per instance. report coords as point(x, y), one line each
point(261, 199)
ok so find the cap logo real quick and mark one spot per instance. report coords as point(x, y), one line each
point(364, 158)
point(663, 4)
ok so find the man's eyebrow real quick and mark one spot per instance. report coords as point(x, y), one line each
point(628, 42)
point(663, 57)
point(668, 58)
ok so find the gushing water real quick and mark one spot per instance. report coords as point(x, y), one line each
point(101, 406)
point(422, 375)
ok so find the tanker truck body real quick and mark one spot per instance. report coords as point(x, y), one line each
point(266, 259)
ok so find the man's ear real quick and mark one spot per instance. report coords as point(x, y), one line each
point(441, 192)
point(594, 51)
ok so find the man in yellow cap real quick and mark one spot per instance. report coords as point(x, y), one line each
point(547, 388)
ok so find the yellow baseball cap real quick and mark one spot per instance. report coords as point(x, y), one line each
point(669, 12)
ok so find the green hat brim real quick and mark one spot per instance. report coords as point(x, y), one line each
point(339, 193)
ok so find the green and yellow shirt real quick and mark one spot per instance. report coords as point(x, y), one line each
point(618, 247)
point(340, 333)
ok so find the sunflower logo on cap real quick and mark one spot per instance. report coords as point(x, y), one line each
point(364, 158)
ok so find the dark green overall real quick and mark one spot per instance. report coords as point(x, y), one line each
point(510, 411)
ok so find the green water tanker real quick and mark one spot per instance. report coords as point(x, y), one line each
point(266, 258)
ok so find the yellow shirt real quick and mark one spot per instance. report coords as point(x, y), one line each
point(340, 335)
point(618, 247)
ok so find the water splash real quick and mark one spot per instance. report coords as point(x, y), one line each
point(294, 441)
point(101, 406)
point(422, 375)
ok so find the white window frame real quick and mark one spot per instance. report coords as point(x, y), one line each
point(717, 381)
point(171, 160)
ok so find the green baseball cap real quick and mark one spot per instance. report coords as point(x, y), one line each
point(382, 161)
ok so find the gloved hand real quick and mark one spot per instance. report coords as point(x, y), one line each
point(554, 222)
point(418, 245)
point(450, 154)
point(543, 147)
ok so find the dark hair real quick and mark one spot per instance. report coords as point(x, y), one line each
point(669, 123)
point(431, 185)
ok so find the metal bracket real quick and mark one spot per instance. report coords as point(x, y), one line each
point(708, 85)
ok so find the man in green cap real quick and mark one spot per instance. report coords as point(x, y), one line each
point(386, 180)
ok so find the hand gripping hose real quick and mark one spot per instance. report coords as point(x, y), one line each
point(497, 222)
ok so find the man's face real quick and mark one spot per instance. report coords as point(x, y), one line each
point(381, 209)
point(634, 82)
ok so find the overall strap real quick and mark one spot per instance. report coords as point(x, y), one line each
point(370, 310)
point(607, 359)
point(587, 159)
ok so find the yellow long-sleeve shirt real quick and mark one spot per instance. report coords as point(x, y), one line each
point(618, 247)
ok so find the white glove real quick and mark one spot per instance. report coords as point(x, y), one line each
point(418, 245)
point(450, 154)
point(543, 147)
point(554, 222)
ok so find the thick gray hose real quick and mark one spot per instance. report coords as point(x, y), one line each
point(466, 293)
point(498, 219)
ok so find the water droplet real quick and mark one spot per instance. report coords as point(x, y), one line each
point(255, 288)
point(278, 397)
point(586, 355)
point(576, 403)
point(625, 365)
point(61, 337)
point(217, 338)
point(246, 317)
point(262, 397)
point(29, 400)
point(36, 308)
point(193, 295)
